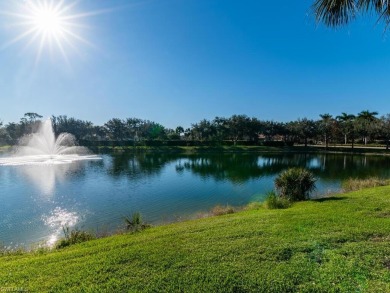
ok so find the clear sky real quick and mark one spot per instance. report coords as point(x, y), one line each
point(179, 61)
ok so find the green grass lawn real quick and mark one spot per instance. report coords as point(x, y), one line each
point(334, 245)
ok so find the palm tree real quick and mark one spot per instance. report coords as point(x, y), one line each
point(366, 119)
point(326, 127)
point(340, 12)
point(346, 121)
point(295, 184)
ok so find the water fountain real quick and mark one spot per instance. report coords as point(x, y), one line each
point(42, 147)
point(44, 161)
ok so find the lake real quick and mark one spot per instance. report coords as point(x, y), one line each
point(38, 200)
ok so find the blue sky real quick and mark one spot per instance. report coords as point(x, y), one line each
point(179, 61)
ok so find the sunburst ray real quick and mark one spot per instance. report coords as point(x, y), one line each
point(50, 25)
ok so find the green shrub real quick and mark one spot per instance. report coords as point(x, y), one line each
point(73, 237)
point(352, 184)
point(295, 184)
point(255, 205)
point(273, 201)
point(222, 210)
point(134, 223)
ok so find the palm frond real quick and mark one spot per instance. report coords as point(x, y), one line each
point(340, 12)
point(335, 12)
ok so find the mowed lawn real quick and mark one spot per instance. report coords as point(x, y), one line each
point(335, 245)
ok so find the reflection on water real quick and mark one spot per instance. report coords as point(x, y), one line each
point(45, 177)
point(39, 199)
point(44, 160)
point(57, 220)
point(44, 170)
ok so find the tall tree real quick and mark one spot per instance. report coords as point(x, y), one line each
point(239, 126)
point(221, 128)
point(340, 12)
point(4, 136)
point(179, 130)
point(116, 128)
point(15, 131)
point(256, 127)
point(346, 121)
point(270, 129)
point(32, 116)
point(133, 126)
point(305, 129)
point(366, 123)
point(79, 128)
point(385, 129)
point(326, 124)
point(30, 122)
point(155, 131)
point(204, 130)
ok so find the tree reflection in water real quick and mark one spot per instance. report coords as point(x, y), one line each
point(239, 168)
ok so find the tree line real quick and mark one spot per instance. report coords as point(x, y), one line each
point(365, 127)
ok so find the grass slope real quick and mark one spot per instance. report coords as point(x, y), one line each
point(335, 245)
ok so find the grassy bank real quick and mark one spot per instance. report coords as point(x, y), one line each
point(341, 244)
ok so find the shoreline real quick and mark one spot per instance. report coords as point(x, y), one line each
point(319, 149)
point(359, 150)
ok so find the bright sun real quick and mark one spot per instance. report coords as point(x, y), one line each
point(48, 21)
point(50, 24)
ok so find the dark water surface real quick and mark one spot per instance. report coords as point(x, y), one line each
point(37, 201)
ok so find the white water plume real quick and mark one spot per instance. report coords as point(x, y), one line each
point(43, 148)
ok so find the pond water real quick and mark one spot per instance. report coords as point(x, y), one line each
point(38, 200)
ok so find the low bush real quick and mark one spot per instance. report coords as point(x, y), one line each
point(135, 223)
point(222, 210)
point(295, 184)
point(255, 205)
point(73, 237)
point(273, 201)
point(353, 184)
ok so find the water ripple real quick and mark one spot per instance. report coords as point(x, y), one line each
point(57, 220)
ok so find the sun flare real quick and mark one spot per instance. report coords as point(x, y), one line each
point(47, 25)
point(48, 21)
